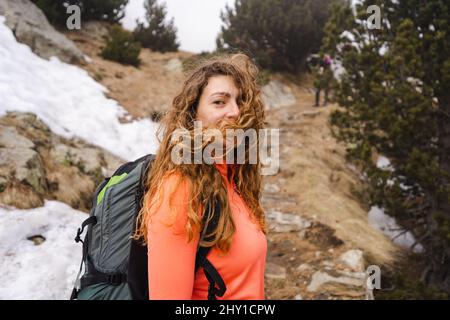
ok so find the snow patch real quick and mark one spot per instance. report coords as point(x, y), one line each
point(45, 271)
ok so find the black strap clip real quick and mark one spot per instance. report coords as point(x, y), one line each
point(116, 278)
point(77, 238)
point(88, 221)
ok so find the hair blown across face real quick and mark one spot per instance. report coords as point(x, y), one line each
point(204, 180)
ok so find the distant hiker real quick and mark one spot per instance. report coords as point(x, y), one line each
point(312, 61)
point(323, 77)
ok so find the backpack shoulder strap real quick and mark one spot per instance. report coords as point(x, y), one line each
point(213, 276)
point(146, 166)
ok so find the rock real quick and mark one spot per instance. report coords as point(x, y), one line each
point(3, 184)
point(284, 247)
point(286, 222)
point(18, 160)
point(311, 114)
point(10, 138)
point(268, 198)
point(342, 285)
point(353, 259)
point(329, 265)
point(174, 66)
point(273, 188)
point(304, 267)
point(274, 271)
point(29, 122)
point(302, 234)
point(22, 174)
point(111, 163)
point(276, 95)
point(37, 239)
point(87, 159)
point(358, 275)
point(298, 297)
point(31, 27)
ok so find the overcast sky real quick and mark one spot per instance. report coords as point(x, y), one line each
point(198, 21)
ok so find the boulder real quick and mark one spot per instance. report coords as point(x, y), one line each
point(276, 95)
point(22, 174)
point(353, 259)
point(174, 66)
point(275, 271)
point(31, 27)
point(286, 222)
point(348, 285)
point(19, 161)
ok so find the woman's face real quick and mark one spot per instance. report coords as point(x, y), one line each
point(218, 101)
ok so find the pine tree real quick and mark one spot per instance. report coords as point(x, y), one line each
point(280, 34)
point(395, 91)
point(121, 47)
point(105, 10)
point(158, 35)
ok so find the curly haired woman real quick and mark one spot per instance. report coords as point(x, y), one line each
point(221, 93)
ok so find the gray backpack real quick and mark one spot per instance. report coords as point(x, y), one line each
point(115, 264)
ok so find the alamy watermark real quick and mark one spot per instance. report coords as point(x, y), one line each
point(374, 20)
point(262, 145)
point(73, 22)
point(373, 277)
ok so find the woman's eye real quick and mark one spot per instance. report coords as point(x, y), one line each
point(219, 102)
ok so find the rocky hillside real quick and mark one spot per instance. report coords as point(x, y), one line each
point(36, 164)
point(30, 26)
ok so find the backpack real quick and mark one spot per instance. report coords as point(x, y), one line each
point(115, 264)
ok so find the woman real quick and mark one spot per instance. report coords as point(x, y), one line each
point(221, 93)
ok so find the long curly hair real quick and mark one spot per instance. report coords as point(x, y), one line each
point(204, 180)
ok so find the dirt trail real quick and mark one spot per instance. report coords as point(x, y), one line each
point(315, 183)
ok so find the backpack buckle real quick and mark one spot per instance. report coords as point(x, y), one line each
point(115, 279)
point(79, 232)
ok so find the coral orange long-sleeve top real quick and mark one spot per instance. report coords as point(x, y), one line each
point(171, 258)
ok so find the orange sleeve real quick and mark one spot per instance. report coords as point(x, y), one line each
point(171, 258)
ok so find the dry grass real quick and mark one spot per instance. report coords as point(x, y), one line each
point(20, 196)
point(72, 188)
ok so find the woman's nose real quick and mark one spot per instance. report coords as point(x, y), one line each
point(234, 111)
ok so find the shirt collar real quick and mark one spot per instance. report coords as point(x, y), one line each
point(227, 171)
